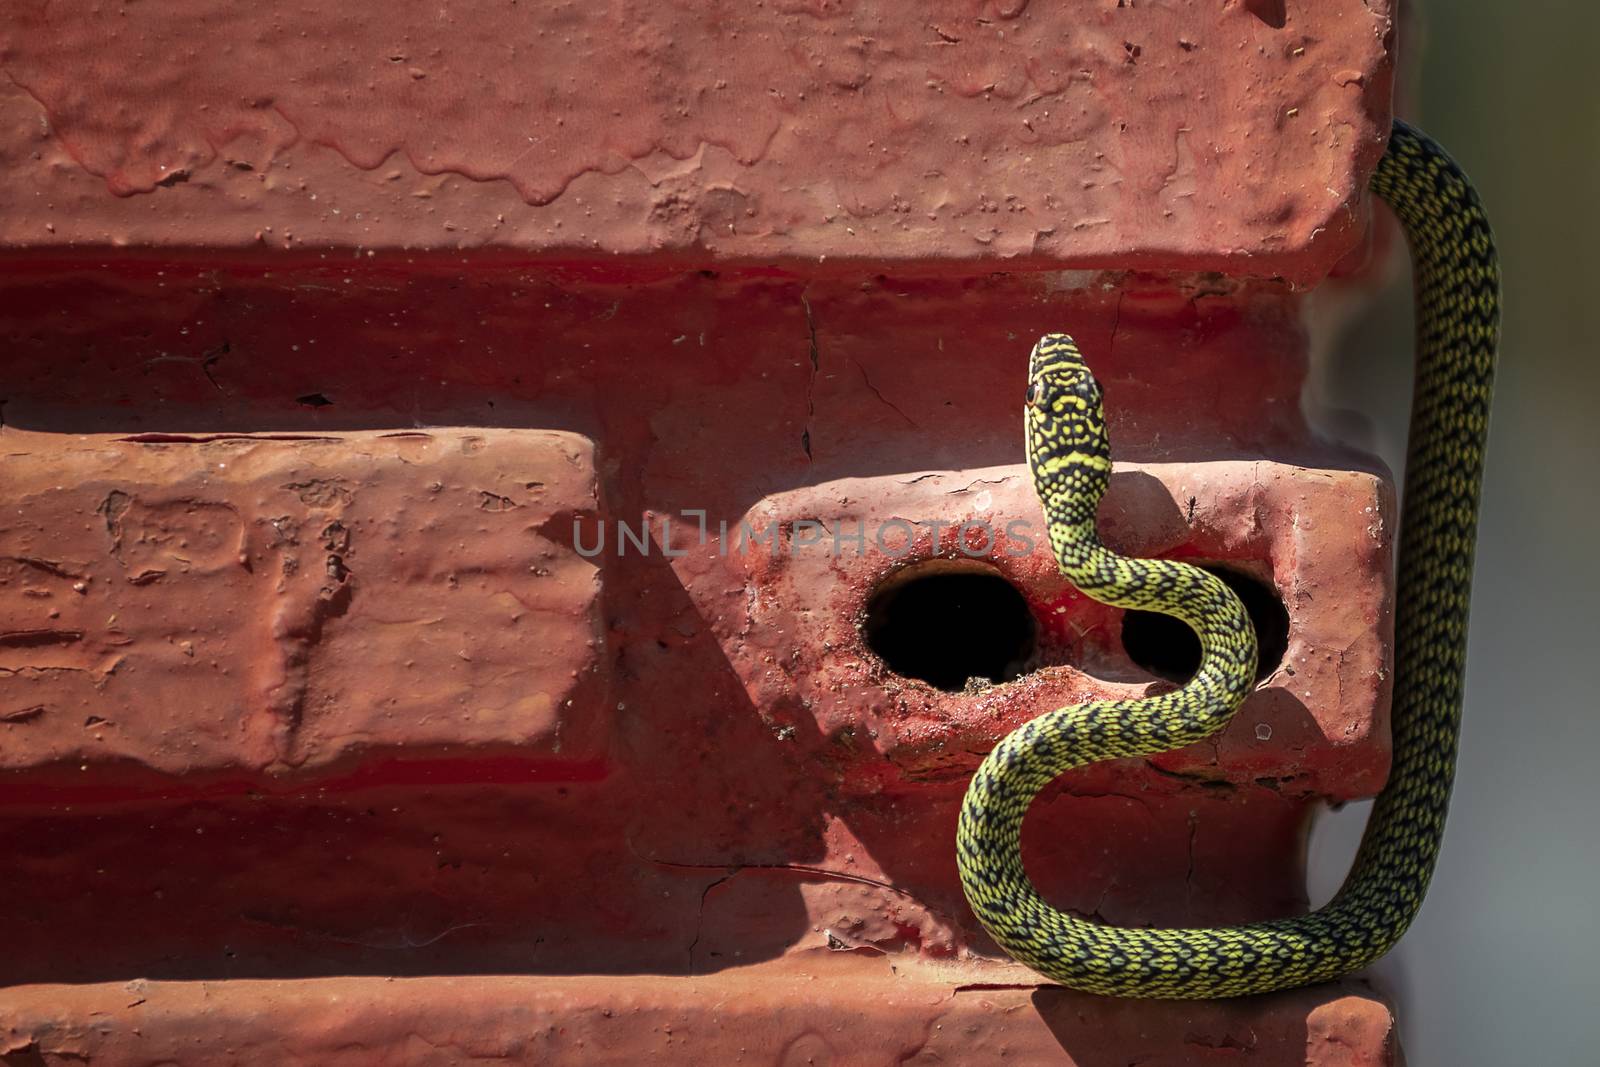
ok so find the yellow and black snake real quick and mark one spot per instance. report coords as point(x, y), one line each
point(1458, 305)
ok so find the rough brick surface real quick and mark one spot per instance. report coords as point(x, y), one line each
point(1219, 136)
point(239, 606)
point(852, 1016)
point(1315, 725)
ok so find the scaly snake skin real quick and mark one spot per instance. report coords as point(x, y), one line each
point(1458, 305)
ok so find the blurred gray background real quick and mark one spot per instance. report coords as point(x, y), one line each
point(1503, 965)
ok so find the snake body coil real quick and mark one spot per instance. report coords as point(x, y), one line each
point(1457, 299)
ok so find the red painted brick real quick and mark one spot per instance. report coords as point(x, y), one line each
point(962, 135)
point(858, 1015)
point(256, 606)
point(1317, 725)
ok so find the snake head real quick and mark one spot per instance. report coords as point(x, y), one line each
point(1060, 384)
point(1068, 449)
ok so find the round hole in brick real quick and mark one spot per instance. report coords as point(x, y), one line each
point(1168, 649)
point(946, 622)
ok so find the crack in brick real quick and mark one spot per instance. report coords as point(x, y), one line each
point(207, 359)
point(22, 714)
point(811, 378)
point(39, 638)
point(700, 915)
point(873, 389)
point(1116, 322)
point(54, 568)
point(1188, 875)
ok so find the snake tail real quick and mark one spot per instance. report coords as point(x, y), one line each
point(1457, 293)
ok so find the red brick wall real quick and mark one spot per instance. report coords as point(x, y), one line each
point(334, 337)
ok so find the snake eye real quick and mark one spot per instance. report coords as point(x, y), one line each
point(1033, 394)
